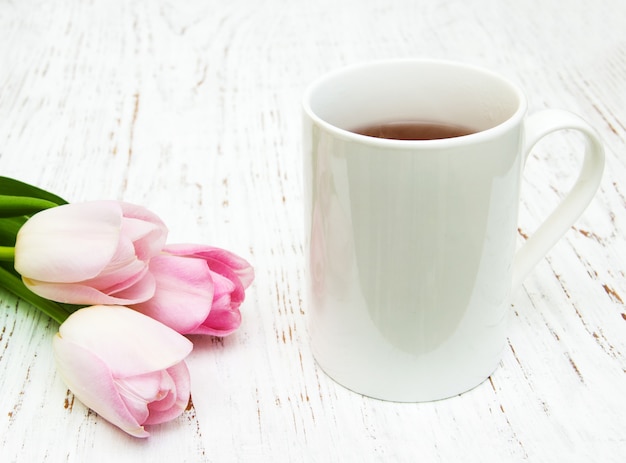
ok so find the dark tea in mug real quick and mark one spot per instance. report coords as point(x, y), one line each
point(413, 130)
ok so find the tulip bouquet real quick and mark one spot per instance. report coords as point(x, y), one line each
point(124, 298)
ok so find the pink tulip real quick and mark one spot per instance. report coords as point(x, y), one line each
point(125, 366)
point(199, 289)
point(90, 253)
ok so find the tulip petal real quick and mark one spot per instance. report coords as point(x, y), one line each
point(123, 267)
point(52, 244)
point(140, 290)
point(148, 240)
point(220, 323)
point(222, 295)
point(165, 397)
point(238, 265)
point(184, 291)
point(225, 316)
point(90, 380)
point(159, 412)
point(236, 289)
point(140, 345)
point(139, 390)
point(82, 294)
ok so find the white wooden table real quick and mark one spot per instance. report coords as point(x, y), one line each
point(192, 108)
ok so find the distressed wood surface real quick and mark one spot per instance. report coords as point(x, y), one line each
point(192, 109)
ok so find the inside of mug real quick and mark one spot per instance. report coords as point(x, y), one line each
point(414, 90)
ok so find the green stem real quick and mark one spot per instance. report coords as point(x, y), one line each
point(13, 206)
point(12, 282)
point(7, 253)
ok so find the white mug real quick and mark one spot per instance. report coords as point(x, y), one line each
point(412, 243)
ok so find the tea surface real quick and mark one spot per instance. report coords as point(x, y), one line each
point(413, 130)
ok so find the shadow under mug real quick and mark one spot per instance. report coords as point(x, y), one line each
point(411, 244)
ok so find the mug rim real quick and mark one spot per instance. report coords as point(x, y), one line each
point(475, 137)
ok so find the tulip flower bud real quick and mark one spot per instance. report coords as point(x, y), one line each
point(125, 366)
point(90, 253)
point(198, 289)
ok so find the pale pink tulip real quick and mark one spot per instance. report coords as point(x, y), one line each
point(90, 253)
point(125, 366)
point(199, 289)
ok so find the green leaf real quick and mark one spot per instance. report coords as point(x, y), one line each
point(12, 187)
point(8, 229)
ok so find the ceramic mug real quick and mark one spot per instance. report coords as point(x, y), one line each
point(412, 243)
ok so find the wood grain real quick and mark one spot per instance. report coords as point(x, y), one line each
point(193, 110)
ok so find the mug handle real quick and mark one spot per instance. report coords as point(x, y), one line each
point(563, 217)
